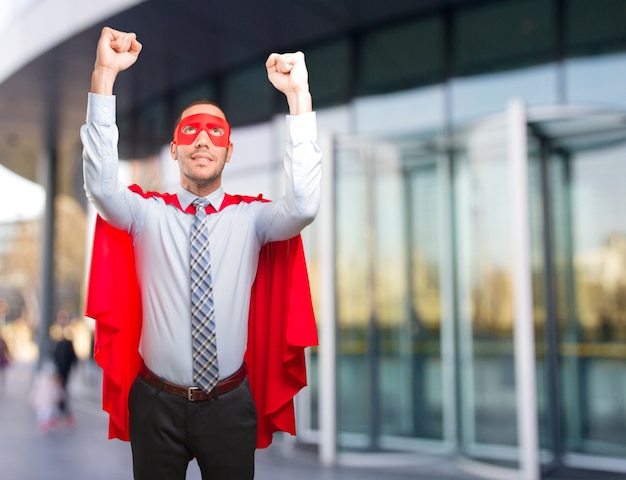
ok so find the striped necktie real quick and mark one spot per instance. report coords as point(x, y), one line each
point(204, 346)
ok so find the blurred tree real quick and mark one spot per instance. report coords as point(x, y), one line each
point(20, 263)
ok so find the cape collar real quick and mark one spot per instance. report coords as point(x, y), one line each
point(186, 198)
point(222, 199)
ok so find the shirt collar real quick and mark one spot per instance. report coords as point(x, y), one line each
point(186, 198)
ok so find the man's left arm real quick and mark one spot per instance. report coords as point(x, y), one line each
point(302, 161)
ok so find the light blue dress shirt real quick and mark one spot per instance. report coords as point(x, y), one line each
point(160, 234)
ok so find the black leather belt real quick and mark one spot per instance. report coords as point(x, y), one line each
point(194, 394)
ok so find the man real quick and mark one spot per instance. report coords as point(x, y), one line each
point(214, 424)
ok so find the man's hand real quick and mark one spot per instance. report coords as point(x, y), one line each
point(116, 52)
point(289, 75)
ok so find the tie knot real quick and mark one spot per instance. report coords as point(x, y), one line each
point(200, 204)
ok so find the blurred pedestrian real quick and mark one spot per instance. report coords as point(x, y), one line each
point(45, 396)
point(65, 358)
point(5, 360)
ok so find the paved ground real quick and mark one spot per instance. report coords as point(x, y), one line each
point(83, 452)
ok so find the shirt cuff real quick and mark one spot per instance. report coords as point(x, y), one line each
point(302, 128)
point(101, 109)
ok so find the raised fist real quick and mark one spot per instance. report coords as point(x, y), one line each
point(287, 72)
point(116, 50)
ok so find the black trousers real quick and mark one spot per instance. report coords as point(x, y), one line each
point(167, 431)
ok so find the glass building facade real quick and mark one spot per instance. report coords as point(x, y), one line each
point(413, 118)
point(433, 339)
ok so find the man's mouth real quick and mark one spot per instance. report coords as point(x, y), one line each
point(201, 157)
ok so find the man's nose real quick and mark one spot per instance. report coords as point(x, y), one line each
point(203, 139)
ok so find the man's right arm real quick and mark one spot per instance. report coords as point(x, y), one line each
point(99, 136)
point(116, 51)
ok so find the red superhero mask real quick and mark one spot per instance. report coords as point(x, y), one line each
point(190, 127)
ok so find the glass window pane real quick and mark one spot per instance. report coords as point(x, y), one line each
point(353, 306)
point(593, 80)
point(388, 300)
point(408, 293)
point(595, 27)
point(193, 92)
point(152, 128)
point(248, 96)
point(485, 294)
point(401, 56)
point(594, 332)
point(502, 35)
point(473, 97)
point(400, 113)
point(329, 68)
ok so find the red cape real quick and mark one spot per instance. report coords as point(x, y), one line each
point(281, 325)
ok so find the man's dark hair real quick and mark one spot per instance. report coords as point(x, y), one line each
point(197, 101)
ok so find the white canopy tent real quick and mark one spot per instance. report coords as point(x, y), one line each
point(20, 199)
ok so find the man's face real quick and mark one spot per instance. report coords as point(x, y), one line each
point(190, 127)
point(201, 145)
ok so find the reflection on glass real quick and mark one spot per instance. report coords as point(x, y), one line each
point(418, 110)
point(592, 80)
point(476, 96)
point(425, 308)
point(485, 293)
point(594, 331)
point(388, 299)
point(352, 295)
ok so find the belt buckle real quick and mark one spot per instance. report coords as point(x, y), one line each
point(190, 393)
